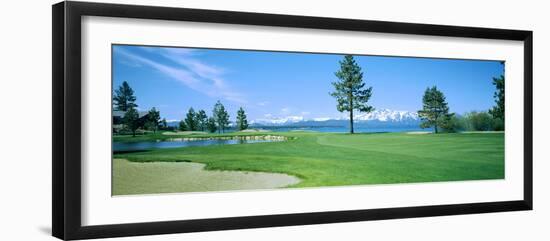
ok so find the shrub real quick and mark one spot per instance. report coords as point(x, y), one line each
point(451, 124)
point(498, 124)
point(479, 121)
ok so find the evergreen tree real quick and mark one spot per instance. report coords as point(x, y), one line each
point(498, 110)
point(164, 124)
point(153, 119)
point(452, 123)
point(201, 119)
point(242, 123)
point(435, 111)
point(191, 120)
point(211, 125)
point(131, 120)
point(350, 91)
point(221, 116)
point(182, 126)
point(124, 98)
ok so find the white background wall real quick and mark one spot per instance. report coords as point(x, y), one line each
point(25, 101)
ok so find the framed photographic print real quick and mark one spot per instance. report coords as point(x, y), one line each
point(170, 120)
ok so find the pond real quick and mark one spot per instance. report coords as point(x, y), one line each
point(147, 145)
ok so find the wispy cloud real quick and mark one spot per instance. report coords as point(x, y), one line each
point(184, 57)
point(285, 110)
point(190, 71)
point(263, 103)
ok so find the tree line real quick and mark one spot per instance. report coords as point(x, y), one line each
point(352, 95)
point(218, 121)
point(125, 100)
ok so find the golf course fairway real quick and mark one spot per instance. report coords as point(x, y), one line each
point(317, 159)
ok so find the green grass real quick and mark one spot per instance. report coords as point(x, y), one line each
point(333, 159)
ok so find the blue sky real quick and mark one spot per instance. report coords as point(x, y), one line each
point(272, 85)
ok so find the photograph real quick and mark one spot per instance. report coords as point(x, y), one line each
point(275, 120)
point(191, 119)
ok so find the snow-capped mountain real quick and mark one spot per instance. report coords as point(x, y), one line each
point(277, 120)
point(378, 115)
point(387, 115)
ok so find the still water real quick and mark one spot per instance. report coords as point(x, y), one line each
point(147, 145)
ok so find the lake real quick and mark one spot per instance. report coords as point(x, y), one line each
point(147, 145)
point(344, 129)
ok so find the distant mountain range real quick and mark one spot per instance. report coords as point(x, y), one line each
point(376, 117)
point(387, 115)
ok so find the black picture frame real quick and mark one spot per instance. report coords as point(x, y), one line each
point(66, 158)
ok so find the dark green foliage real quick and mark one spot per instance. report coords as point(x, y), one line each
point(221, 116)
point(153, 119)
point(350, 91)
point(242, 123)
point(131, 120)
point(435, 111)
point(451, 124)
point(149, 126)
point(498, 124)
point(124, 98)
point(201, 120)
point(164, 124)
point(191, 120)
point(211, 125)
point(498, 110)
point(479, 121)
point(182, 126)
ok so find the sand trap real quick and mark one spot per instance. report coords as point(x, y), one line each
point(174, 177)
point(418, 132)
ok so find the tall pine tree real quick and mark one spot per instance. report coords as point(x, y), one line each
point(191, 120)
point(498, 110)
point(242, 123)
point(182, 126)
point(153, 119)
point(350, 91)
point(124, 98)
point(211, 125)
point(164, 124)
point(221, 116)
point(435, 111)
point(131, 120)
point(201, 119)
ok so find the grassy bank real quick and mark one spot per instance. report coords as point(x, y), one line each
point(331, 159)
